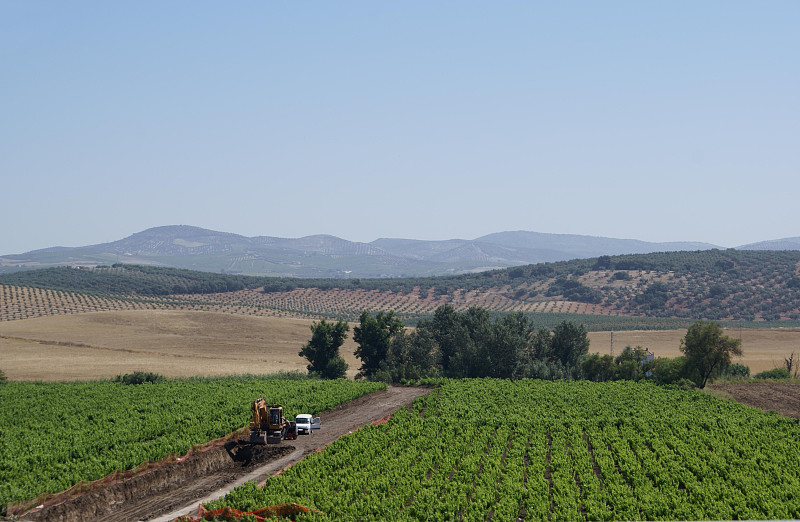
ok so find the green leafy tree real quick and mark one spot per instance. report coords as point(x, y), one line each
point(708, 350)
point(511, 339)
point(455, 346)
point(569, 343)
point(374, 336)
point(541, 347)
point(412, 355)
point(322, 351)
point(632, 363)
point(479, 359)
point(669, 370)
point(598, 368)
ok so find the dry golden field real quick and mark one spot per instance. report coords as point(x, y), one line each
point(186, 343)
point(172, 343)
point(762, 349)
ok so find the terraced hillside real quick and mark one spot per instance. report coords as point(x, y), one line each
point(758, 286)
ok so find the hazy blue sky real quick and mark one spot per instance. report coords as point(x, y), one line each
point(658, 121)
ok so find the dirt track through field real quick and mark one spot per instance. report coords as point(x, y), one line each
point(178, 488)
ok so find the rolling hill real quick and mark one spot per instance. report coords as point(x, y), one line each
point(626, 291)
point(324, 256)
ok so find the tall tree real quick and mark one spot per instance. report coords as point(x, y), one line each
point(412, 356)
point(374, 336)
point(570, 342)
point(511, 340)
point(449, 334)
point(708, 350)
point(478, 361)
point(322, 351)
point(541, 345)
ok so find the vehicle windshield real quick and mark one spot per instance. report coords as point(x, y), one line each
point(304, 420)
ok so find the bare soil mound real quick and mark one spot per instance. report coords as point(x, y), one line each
point(782, 397)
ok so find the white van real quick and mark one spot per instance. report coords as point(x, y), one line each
point(306, 423)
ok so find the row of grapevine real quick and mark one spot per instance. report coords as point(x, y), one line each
point(54, 435)
point(534, 450)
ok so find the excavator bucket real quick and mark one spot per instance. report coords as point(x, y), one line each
point(258, 437)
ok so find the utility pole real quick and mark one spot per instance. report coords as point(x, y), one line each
point(612, 342)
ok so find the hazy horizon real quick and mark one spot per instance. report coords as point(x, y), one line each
point(380, 238)
point(656, 122)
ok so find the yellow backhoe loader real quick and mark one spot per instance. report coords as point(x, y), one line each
point(268, 425)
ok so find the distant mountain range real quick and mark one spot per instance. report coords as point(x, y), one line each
point(183, 246)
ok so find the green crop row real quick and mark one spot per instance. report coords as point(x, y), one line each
point(534, 450)
point(54, 435)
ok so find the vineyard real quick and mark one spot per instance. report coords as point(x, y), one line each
point(533, 450)
point(56, 435)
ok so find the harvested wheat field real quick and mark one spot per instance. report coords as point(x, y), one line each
point(762, 349)
point(171, 343)
point(188, 343)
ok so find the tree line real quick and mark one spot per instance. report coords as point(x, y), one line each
point(129, 279)
point(473, 344)
point(450, 344)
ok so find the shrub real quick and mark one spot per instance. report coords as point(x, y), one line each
point(669, 371)
point(737, 370)
point(138, 377)
point(686, 384)
point(775, 373)
point(3, 378)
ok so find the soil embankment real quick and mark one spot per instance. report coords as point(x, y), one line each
point(177, 487)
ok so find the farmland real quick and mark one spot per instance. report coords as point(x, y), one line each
point(188, 343)
point(665, 290)
point(172, 343)
point(492, 449)
point(481, 449)
point(24, 302)
point(58, 434)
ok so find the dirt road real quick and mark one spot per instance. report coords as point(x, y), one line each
point(177, 488)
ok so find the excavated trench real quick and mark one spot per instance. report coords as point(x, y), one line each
point(174, 487)
point(163, 488)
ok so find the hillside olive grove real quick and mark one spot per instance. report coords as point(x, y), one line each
point(732, 285)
